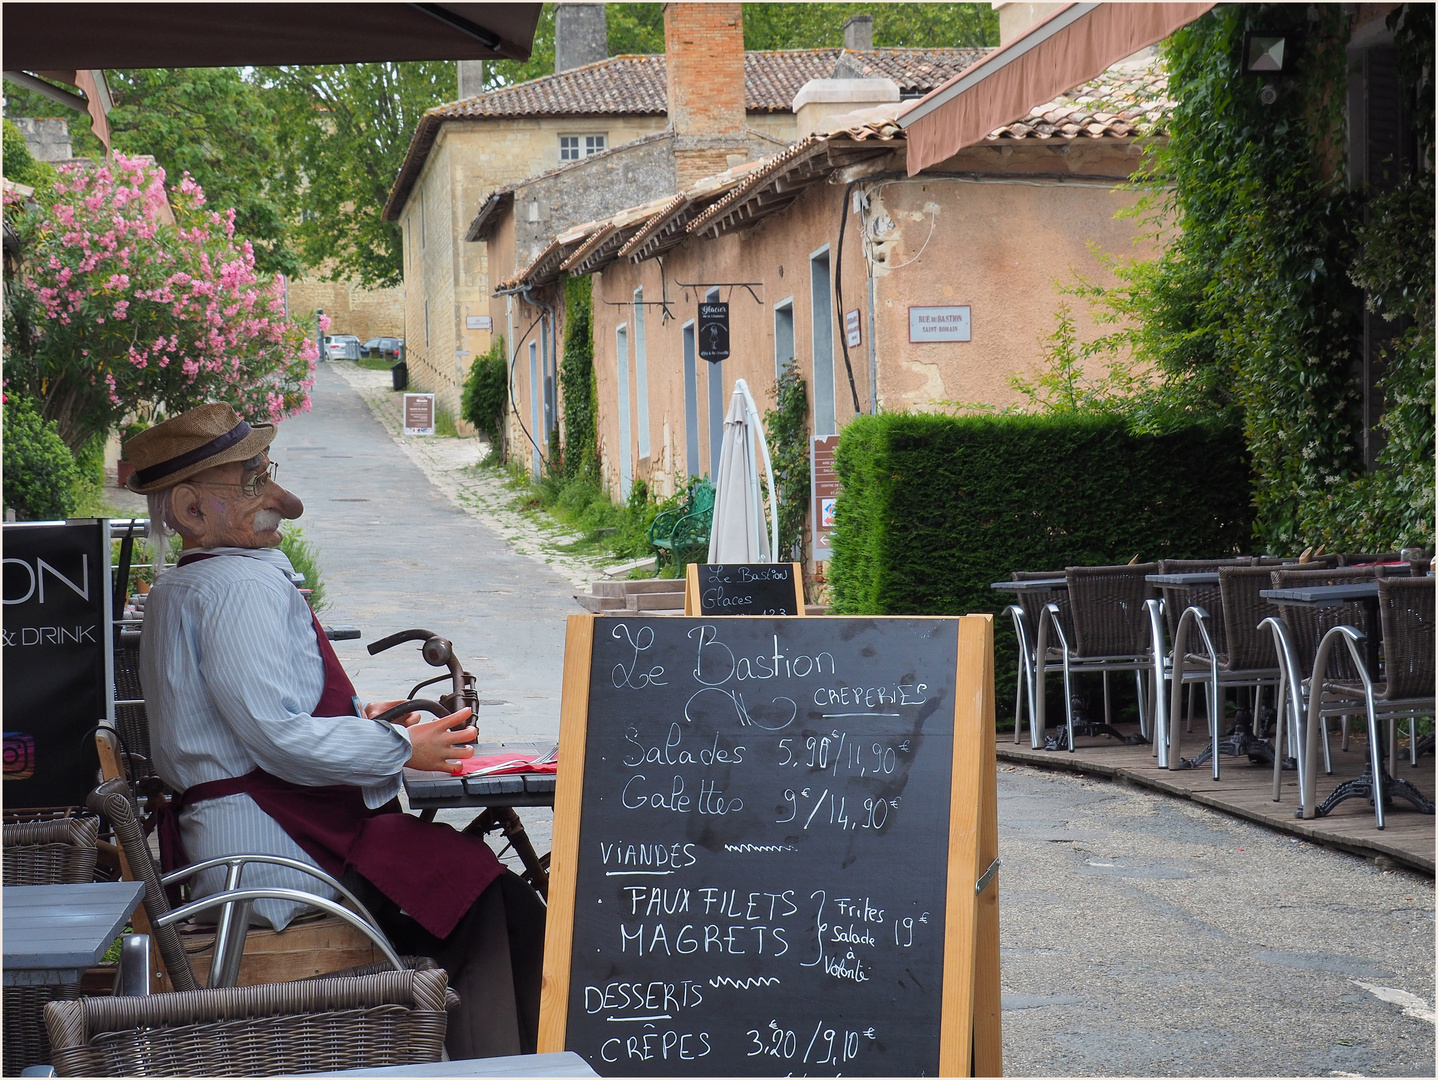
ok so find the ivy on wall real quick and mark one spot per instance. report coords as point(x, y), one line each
point(580, 456)
point(1256, 303)
point(787, 429)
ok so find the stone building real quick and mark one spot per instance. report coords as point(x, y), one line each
point(466, 153)
point(887, 291)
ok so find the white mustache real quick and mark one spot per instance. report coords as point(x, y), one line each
point(266, 520)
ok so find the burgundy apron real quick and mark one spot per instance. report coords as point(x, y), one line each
point(431, 871)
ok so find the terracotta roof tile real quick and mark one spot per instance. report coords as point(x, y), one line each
point(1129, 99)
point(634, 86)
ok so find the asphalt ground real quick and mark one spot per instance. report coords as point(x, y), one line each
point(1140, 935)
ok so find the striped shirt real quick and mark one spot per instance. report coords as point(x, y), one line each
point(231, 667)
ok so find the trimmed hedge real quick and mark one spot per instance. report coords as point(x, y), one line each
point(934, 508)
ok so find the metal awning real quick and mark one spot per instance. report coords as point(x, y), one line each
point(50, 36)
point(1073, 45)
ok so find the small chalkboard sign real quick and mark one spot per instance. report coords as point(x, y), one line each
point(774, 843)
point(744, 589)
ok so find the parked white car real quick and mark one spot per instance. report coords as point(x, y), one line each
point(341, 347)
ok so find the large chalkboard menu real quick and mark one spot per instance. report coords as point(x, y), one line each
point(752, 846)
point(744, 589)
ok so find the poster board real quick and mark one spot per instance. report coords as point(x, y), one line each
point(58, 661)
point(721, 904)
point(419, 414)
point(743, 589)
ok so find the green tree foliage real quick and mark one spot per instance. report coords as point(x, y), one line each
point(1253, 303)
point(342, 132)
point(914, 26)
point(220, 128)
point(486, 395)
point(786, 426)
point(20, 164)
point(40, 472)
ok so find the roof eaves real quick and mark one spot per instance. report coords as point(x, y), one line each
point(780, 164)
point(496, 202)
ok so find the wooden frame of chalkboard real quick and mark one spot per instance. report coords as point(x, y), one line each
point(727, 896)
point(743, 589)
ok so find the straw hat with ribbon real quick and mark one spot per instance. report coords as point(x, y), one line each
point(190, 443)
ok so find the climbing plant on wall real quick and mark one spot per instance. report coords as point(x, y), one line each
point(576, 383)
point(786, 426)
point(1256, 302)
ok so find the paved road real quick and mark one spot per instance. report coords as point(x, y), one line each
point(1140, 935)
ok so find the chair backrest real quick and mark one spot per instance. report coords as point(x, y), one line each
point(132, 721)
point(1405, 607)
point(1107, 607)
point(1247, 647)
point(114, 800)
point(58, 847)
point(1361, 558)
point(57, 851)
point(316, 1025)
point(1034, 603)
point(1207, 597)
point(1308, 623)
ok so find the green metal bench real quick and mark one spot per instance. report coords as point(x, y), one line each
point(684, 529)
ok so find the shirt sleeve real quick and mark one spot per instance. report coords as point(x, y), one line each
point(257, 656)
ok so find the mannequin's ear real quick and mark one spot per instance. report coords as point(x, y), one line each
point(187, 514)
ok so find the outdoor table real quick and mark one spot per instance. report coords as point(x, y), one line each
point(1048, 584)
point(431, 791)
point(1363, 592)
point(495, 796)
point(54, 932)
point(565, 1063)
point(1184, 580)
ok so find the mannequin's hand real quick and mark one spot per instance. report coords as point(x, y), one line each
point(435, 748)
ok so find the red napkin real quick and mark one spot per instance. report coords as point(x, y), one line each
point(521, 764)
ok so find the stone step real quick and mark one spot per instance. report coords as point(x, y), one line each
point(600, 605)
point(643, 585)
point(650, 601)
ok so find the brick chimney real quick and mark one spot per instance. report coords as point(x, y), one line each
point(581, 36)
point(704, 69)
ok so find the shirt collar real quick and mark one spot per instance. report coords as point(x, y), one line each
point(272, 556)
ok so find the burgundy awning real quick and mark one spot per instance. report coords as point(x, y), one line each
point(1073, 45)
point(122, 35)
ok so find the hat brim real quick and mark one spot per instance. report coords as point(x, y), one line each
point(260, 436)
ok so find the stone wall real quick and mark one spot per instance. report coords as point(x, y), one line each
point(366, 313)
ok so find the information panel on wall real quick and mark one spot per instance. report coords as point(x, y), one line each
point(57, 658)
point(755, 830)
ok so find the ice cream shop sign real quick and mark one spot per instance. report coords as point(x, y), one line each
point(939, 324)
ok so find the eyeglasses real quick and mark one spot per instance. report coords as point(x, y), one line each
point(252, 485)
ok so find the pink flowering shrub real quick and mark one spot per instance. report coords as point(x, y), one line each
point(117, 310)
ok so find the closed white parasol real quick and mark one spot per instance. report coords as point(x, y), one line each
point(737, 534)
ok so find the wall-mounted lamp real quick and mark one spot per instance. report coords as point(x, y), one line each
point(1265, 53)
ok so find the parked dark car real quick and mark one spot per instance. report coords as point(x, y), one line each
point(385, 348)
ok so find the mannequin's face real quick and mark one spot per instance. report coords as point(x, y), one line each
point(213, 509)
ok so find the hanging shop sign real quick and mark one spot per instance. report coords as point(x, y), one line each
point(713, 331)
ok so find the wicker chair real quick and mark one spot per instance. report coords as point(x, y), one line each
point(114, 800)
point(1110, 632)
point(57, 848)
point(373, 1020)
point(1406, 611)
point(1233, 652)
point(1027, 613)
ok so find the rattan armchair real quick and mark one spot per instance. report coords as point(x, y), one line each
point(1109, 632)
point(1405, 691)
point(1027, 613)
point(114, 800)
point(56, 848)
point(1232, 652)
point(371, 1020)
